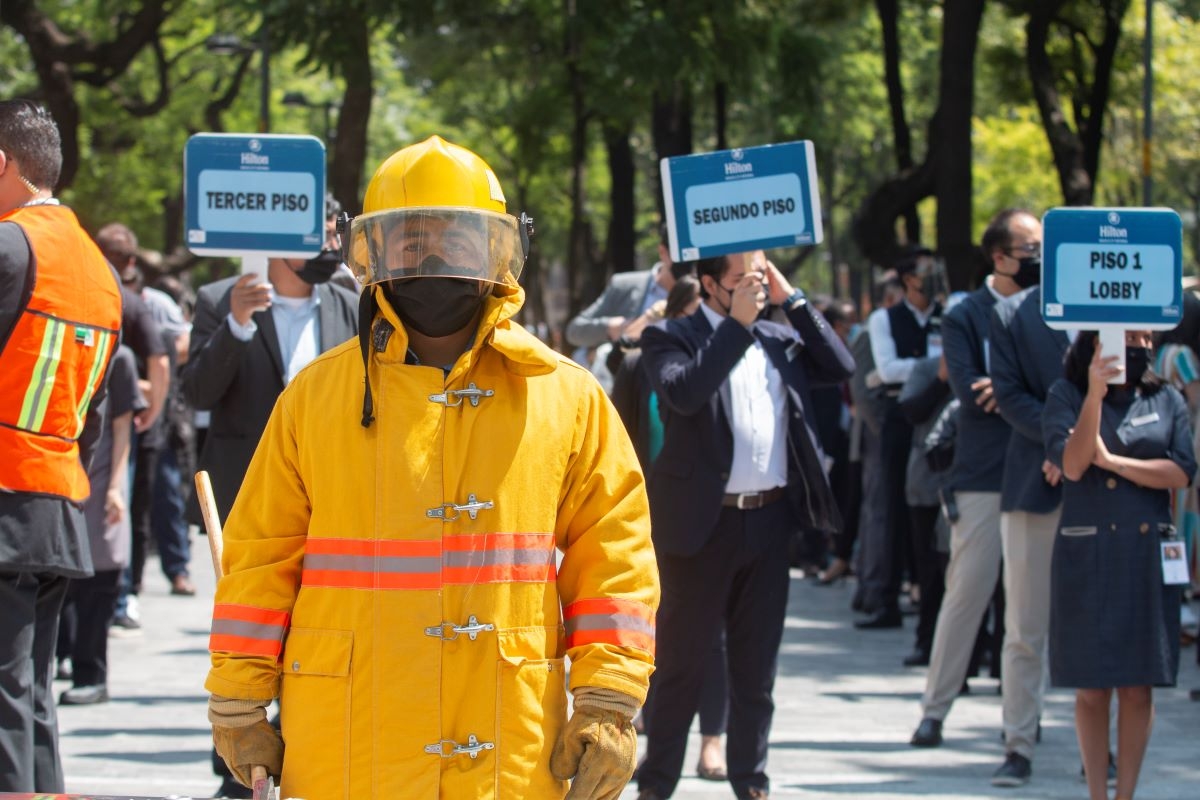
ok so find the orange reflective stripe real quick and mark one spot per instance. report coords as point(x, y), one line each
point(609, 620)
point(372, 563)
point(247, 630)
point(429, 563)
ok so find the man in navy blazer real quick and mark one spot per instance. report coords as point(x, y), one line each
point(740, 472)
point(1027, 357)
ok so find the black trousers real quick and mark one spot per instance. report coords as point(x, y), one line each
point(83, 629)
point(29, 760)
point(739, 579)
point(931, 571)
point(141, 504)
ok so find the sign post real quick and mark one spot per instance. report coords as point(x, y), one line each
point(734, 201)
point(1112, 269)
point(254, 197)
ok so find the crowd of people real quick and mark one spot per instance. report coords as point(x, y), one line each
point(363, 415)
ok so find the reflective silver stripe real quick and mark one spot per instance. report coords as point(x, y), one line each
point(608, 622)
point(499, 557)
point(248, 630)
point(414, 565)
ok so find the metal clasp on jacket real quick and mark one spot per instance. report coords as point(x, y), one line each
point(448, 748)
point(448, 512)
point(472, 393)
point(472, 629)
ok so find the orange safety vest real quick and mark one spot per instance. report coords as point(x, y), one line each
point(55, 356)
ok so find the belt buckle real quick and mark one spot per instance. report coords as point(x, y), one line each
point(744, 501)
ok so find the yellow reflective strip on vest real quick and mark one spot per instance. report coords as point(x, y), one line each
point(41, 384)
point(99, 359)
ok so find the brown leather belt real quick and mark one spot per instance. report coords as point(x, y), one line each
point(749, 501)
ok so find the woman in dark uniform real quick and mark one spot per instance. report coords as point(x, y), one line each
point(1113, 622)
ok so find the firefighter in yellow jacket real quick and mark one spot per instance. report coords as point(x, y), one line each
point(391, 571)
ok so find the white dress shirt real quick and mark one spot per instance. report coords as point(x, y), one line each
point(892, 368)
point(758, 417)
point(297, 327)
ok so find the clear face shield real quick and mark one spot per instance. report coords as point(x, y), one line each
point(464, 243)
point(932, 273)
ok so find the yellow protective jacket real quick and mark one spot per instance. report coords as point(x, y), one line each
point(396, 585)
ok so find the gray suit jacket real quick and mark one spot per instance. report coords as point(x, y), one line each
point(623, 297)
point(1026, 360)
point(239, 381)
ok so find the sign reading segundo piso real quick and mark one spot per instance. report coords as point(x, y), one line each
point(258, 194)
point(732, 201)
point(1112, 267)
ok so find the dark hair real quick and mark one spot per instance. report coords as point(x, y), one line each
point(908, 258)
point(998, 234)
point(118, 243)
point(685, 290)
point(681, 268)
point(1079, 360)
point(838, 311)
point(332, 207)
point(28, 135)
point(1188, 330)
point(714, 267)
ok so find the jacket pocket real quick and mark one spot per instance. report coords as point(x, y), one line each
point(531, 709)
point(314, 706)
point(1078, 530)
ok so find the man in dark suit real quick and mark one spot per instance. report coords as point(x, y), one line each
point(975, 475)
point(738, 440)
point(1027, 357)
point(249, 338)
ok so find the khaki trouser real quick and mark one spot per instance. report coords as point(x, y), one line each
point(1028, 541)
point(970, 582)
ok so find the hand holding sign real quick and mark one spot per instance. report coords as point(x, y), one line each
point(748, 298)
point(248, 295)
point(1103, 371)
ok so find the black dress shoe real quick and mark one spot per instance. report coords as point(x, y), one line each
point(917, 658)
point(883, 618)
point(927, 734)
point(84, 695)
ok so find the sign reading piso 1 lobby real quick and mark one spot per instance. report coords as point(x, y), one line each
point(262, 194)
point(1112, 267)
point(738, 200)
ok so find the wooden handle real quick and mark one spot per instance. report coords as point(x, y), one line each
point(212, 520)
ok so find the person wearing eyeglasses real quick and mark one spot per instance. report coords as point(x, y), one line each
point(60, 319)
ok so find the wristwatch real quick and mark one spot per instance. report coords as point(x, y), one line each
point(795, 300)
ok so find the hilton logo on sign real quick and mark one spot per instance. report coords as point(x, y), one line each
point(736, 167)
point(1111, 231)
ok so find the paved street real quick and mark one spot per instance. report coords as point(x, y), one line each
point(845, 711)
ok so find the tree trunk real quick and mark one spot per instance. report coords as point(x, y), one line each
point(721, 113)
point(350, 144)
point(620, 250)
point(1076, 182)
point(960, 33)
point(671, 128)
point(584, 281)
point(889, 15)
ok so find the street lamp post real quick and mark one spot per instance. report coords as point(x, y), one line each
point(326, 106)
point(229, 44)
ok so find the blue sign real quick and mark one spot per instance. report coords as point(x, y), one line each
point(1112, 266)
point(260, 194)
point(733, 201)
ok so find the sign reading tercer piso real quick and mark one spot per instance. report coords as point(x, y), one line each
point(732, 201)
point(1112, 267)
point(254, 194)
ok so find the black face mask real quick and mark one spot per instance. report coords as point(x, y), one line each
point(435, 306)
point(321, 268)
point(1029, 273)
point(1137, 361)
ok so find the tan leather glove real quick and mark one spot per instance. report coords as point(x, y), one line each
point(244, 738)
point(598, 747)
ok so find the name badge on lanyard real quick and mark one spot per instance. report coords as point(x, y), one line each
point(1174, 564)
point(933, 344)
